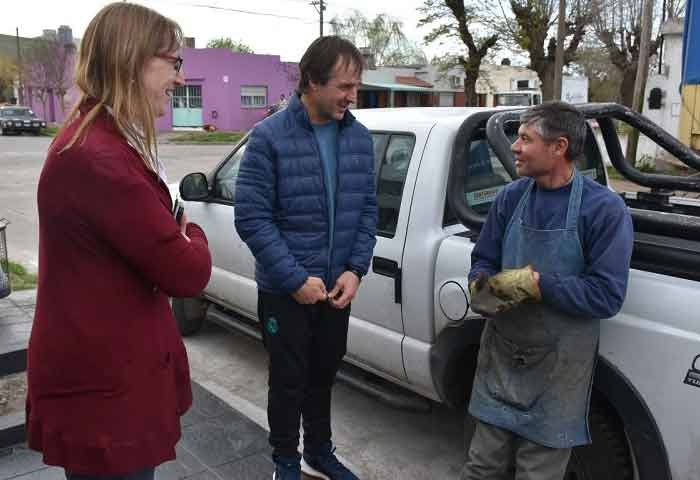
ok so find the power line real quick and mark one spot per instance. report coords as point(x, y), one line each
point(250, 12)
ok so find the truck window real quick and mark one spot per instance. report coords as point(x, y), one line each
point(486, 175)
point(379, 140)
point(391, 175)
point(226, 177)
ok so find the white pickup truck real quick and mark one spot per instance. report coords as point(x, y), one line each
point(438, 170)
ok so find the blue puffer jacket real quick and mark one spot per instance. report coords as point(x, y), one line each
point(282, 208)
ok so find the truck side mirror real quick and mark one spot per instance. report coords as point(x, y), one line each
point(194, 186)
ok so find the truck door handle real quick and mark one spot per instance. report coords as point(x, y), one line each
point(389, 268)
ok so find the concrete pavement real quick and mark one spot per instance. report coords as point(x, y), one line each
point(217, 441)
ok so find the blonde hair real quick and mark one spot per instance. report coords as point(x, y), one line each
point(117, 44)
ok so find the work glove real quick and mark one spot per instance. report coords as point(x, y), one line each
point(502, 292)
point(518, 285)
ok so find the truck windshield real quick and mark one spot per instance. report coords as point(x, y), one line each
point(17, 112)
point(512, 99)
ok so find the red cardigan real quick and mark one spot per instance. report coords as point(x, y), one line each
point(107, 370)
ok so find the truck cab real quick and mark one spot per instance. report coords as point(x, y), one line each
point(438, 171)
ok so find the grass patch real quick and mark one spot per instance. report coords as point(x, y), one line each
point(613, 174)
point(49, 131)
point(20, 278)
point(207, 137)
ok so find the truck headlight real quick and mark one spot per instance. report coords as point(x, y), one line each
point(43, 124)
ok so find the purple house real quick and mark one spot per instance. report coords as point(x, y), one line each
point(228, 90)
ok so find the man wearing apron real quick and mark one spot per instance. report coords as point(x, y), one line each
point(551, 261)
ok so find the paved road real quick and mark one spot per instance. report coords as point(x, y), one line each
point(21, 160)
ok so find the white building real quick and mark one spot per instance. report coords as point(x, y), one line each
point(666, 87)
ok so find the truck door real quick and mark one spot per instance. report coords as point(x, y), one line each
point(376, 327)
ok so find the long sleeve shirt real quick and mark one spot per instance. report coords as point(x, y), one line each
point(606, 235)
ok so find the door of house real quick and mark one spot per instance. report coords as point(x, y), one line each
point(187, 106)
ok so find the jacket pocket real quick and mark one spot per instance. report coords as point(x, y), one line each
point(518, 375)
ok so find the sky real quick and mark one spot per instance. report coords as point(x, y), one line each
point(266, 32)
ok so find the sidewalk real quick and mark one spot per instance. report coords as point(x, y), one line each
point(218, 442)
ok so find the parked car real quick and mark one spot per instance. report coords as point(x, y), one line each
point(14, 119)
point(438, 171)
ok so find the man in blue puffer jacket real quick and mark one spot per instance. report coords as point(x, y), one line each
point(306, 207)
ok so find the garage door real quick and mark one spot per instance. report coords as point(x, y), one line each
point(447, 99)
point(187, 106)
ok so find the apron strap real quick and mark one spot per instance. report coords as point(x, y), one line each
point(572, 210)
point(518, 213)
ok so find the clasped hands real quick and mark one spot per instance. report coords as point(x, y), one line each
point(314, 290)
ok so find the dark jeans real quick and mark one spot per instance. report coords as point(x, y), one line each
point(306, 344)
point(145, 474)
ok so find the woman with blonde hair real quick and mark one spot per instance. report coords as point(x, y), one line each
point(107, 370)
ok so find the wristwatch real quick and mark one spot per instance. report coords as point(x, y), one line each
point(354, 271)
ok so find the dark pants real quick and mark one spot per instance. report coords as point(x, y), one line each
point(306, 344)
point(145, 474)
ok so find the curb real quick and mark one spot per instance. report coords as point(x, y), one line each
point(13, 361)
point(12, 429)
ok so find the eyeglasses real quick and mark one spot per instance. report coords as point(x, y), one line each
point(177, 61)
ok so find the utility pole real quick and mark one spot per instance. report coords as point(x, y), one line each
point(559, 55)
point(320, 7)
point(640, 80)
point(20, 93)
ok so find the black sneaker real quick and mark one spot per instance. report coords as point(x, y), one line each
point(286, 468)
point(325, 466)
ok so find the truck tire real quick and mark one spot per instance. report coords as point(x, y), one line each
point(608, 457)
point(189, 314)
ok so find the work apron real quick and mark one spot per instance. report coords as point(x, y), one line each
point(535, 365)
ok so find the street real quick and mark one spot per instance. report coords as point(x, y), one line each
point(382, 443)
point(21, 159)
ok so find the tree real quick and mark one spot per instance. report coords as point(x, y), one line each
point(8, 74)
point(382, 36)
point(48, 64)
point(618, 26)
point(534, 20)
point(452, 20)
point(604, 80)
point(528, 25)
point(228, 43)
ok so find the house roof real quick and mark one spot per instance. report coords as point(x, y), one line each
point(397, 87)
point(416, 82)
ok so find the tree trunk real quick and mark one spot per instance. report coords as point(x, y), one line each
point(627, 85)
point(471, 99)
point(641, 77)
point(559, 56)
point(545, 71)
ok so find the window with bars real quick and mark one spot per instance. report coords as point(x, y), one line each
point(253, 97)
point(187, 96)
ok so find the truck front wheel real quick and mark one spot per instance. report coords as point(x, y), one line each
point(190, 314)
point(608, 456)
